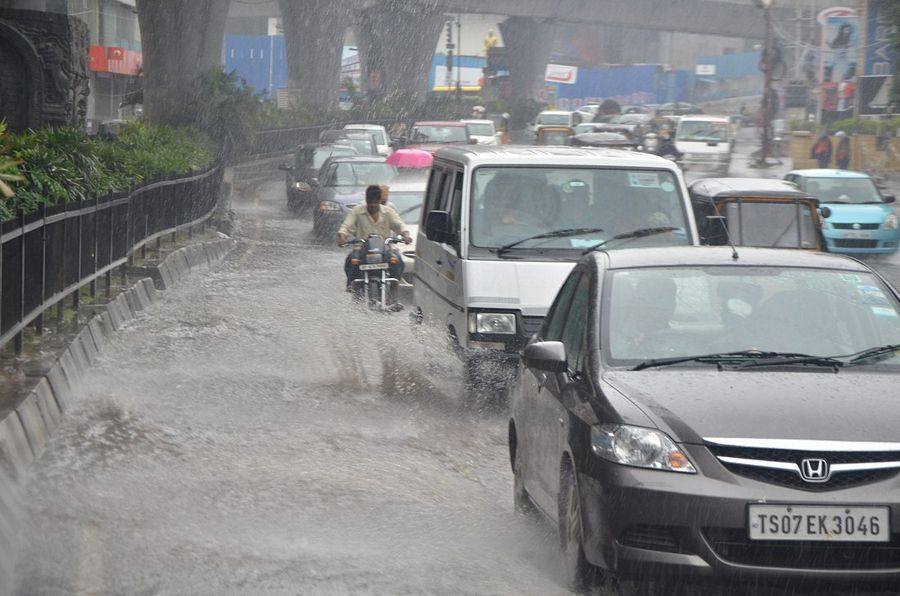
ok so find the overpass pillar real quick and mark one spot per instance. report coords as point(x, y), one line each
point(396, 49)
point(528, 45)
point(314, 40)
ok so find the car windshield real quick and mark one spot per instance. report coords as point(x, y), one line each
point(553, 119)
point(378, 134)
point(408, 204)
point(481, 129)
point(702, 131)
point(440, 134)
point(362, 146)
point(843, 190)
point(320, 155)
point(513, 203)
point(654, 313)
point(362, 174)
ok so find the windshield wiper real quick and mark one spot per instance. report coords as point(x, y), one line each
point(872, 353)
point(565, 233)
point(746, 358)
point(643, 232)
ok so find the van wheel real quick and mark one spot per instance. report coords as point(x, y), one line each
point(580, 574)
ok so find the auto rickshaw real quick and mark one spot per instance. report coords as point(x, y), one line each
point(554, 135)
point(756, 212)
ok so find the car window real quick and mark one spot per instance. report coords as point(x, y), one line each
point(456, 203)
point(843, 190)
point(363, 173)
point(556, 319)
point(574, 332)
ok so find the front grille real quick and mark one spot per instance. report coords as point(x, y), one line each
point(793, 480)
point(855, 243)
point(531, 325)
point(734, 546)
point(658, 538)
point(850, 226)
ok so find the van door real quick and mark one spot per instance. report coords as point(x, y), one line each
point(438, 271)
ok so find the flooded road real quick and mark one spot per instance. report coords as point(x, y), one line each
point(237, 440)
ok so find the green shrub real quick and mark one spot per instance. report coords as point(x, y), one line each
point(9, 165)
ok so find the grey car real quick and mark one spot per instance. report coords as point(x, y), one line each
point(341, 185)
point(697, 412)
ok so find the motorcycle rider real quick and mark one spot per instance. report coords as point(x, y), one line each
point(371, 218)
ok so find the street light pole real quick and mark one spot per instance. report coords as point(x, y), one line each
point(768, 65)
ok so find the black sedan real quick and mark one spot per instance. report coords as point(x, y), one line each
point(301, 176)
point(695, 412)
point(342, 183)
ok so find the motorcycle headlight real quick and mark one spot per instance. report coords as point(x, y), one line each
point(326, 206)
point(492, 323)
point(639, 447)
point(890, 222)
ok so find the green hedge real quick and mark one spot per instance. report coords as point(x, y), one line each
point(59, 165)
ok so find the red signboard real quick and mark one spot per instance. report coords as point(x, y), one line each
point(115, 60)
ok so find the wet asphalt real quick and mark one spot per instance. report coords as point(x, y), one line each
point(237, 439)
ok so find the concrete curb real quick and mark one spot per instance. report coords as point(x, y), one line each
point(24, 431)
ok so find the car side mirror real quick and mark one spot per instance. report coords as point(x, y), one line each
point(314, 182)
point(826, 212)
point(438, 227)
point(889, 198)
point(549, 356)
point(304, 187)
point(285, 167)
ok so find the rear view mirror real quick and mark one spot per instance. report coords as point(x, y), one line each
point(439, 228)
point(889, 198)
point(826, 212)
point(548, 356)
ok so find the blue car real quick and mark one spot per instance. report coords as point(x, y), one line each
point(858, 219)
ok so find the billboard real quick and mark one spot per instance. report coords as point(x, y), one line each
point(880, 52)
point(839, 40)
point(875, 95)
point(562, 74)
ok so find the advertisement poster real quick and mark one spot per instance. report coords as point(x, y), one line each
point(880, 52)
point(839, 40)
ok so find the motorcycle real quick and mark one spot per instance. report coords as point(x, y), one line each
point(376, 270)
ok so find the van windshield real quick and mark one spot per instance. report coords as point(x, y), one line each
point(511, 204)
point(699, 130)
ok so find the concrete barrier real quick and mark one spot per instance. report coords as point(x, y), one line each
point(25, 430)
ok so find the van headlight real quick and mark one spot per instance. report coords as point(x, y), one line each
point(492, 323)
point(890, 222)
point(640, 447)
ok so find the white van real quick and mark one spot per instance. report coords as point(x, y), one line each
point(503, 226)
point(379, 132)
point(705, 143)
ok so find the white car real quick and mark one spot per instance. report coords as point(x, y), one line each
point(705, 143)
point(557, 118)
point(378, 131)
point(483, 131)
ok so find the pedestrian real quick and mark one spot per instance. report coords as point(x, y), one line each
point(821, 150)
point(842, 152)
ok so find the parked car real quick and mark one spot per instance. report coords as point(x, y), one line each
point(484, 132)
point(342, 183)
point(301, 175)
point(686, 414)
point(860, 217)
point(705, 143)
point(503, 226)
point(380, 133)
point(755, 212)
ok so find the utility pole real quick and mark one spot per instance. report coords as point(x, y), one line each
point(767, 64)
point(458, 57)
point(450, 47)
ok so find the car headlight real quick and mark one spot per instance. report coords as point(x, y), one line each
point(492, 323)
point(639, 447)
point(890, 222)
point(326, 206)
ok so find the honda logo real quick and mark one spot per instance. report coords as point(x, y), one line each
point(815, 470)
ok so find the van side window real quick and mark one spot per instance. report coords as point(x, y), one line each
point(456, 203)
point(556, 320)
point(433, 194)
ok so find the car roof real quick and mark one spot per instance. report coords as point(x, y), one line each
point(674, 256)
point(477, 121)
point(702, 118)
point(737, 186)
point(439, 123)
point(548, 155)
point(364, 126)
point(828, 173)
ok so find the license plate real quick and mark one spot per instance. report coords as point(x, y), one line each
point(373, 266)
point(858, 235)
point(819, 523)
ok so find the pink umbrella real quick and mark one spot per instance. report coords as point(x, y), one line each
point(411, 158)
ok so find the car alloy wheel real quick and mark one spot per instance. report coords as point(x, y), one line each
point(580, 574)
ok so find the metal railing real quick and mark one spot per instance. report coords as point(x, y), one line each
point(51, 254)
point(287, 139)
